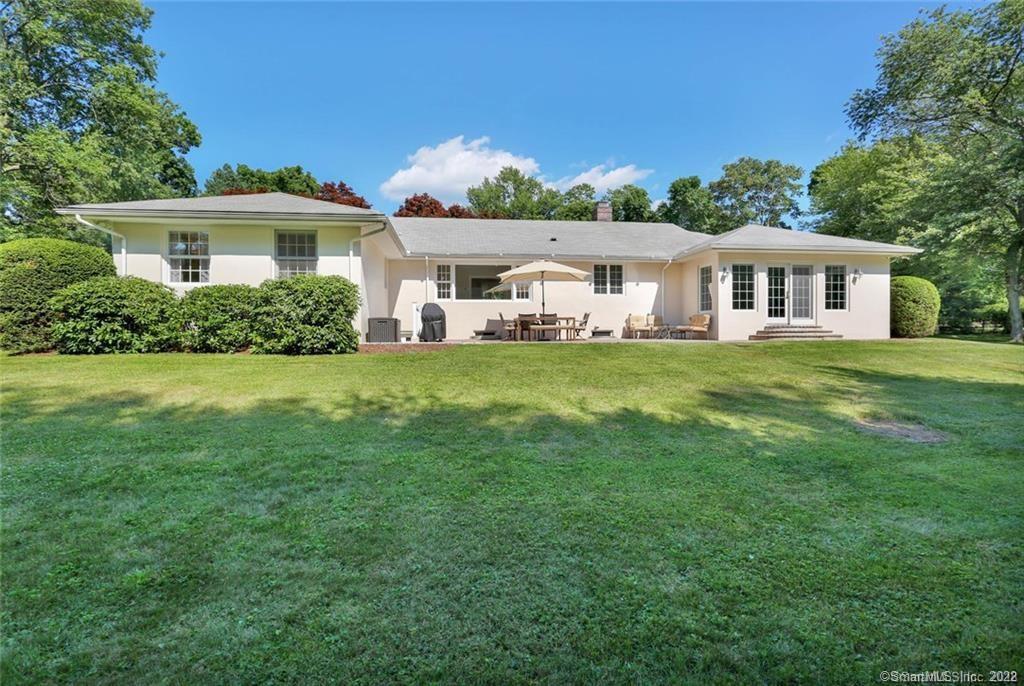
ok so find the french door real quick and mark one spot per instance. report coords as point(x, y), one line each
point(790, 294)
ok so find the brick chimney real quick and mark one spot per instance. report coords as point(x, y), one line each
point(603, 211)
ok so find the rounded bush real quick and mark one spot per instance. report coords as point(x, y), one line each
point(32, 270)
point(114, 314)
point(217, 319)
point(914, 307)
point(306, 315)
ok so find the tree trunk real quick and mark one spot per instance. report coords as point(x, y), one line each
point(1013, 289)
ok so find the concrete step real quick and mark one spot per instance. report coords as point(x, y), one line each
point(795, 336)
point(792, 327)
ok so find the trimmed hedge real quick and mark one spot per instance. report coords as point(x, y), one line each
point(914, 307)
point(32, 270)
point(306, 315)
point(114, 314)
point(217, 319)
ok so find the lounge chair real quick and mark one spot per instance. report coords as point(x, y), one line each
point(636, 325)
point(699, 323)
point(496, 331)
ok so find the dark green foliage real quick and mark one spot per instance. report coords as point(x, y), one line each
point(32, 270)
point(112, 314)
point(914, 304)
point(217, 319)
point(306, 315)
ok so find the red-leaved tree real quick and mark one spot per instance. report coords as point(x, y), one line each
point(342, 194)
point(459, 212)
point(421, 205)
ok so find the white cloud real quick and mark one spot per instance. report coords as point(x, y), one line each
point(602, 178)
point(447, 170)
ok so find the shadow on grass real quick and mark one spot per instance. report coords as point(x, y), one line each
point(414, 538)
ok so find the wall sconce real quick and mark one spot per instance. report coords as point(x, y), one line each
point(725, 270)
point(857, 273)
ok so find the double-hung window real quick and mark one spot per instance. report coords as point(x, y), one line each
point(609, 279)
point(444, 282)
point(188, 254)
point(743, 287)
point(835, 287)
point(295, 253)
point(704, 285)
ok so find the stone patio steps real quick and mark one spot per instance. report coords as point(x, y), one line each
point(787, 332)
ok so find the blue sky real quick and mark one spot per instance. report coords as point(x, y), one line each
point(399, 98)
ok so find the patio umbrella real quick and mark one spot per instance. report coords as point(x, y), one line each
point(542, 271)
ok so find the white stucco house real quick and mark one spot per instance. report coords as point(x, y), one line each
point(745, 279)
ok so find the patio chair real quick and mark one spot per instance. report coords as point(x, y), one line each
point(525, 320)
point(636, 325)
point(508, 327)
point(699, 323)
point(581, 325)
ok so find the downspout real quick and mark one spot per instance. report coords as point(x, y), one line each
point(115, 234)
point(426, 279)
point(667, 265)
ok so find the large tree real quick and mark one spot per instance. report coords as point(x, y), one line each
point(80, 118)
point(421, 205)
point(957, 79)
point(690, 205)
point(577, 203)
point(426, 205)
point(511, 194)
point(753, 191)
point(228, 180)
point(630, 203)
point(342, 194)
point(890, 191)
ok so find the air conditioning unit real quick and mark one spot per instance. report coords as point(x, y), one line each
point(382, 330)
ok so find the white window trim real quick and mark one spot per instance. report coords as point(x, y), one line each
point(847, 282)
point(700, 288)
point(453, 266)
point(277, 268)
point(593, 280)
point(732, 285)
point(167, 258)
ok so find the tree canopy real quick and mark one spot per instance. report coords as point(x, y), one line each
point(630, 203)
point(342, 194)
point(80, 118)
point(956, 79)
point(228, 180)
point(753, 191)
point(691, 206)
point(511, 194)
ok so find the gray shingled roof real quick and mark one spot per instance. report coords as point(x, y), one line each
point(533, 238)
point(757, 237)
point(277, 204)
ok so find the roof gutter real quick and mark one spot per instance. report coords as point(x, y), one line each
point(110, 232)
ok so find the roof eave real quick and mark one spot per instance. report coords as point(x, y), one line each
point(207, 214)
point(894, 251)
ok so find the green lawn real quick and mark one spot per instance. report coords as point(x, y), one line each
point(509, 513)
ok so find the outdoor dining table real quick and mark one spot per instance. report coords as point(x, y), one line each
point(535, 324)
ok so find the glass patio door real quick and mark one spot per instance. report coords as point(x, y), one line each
point(790, 294)
point(778, 295)
point(801, 294)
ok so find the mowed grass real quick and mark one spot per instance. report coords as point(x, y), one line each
point(510, 513)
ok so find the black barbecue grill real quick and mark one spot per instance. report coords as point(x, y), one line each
point(433, 320)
